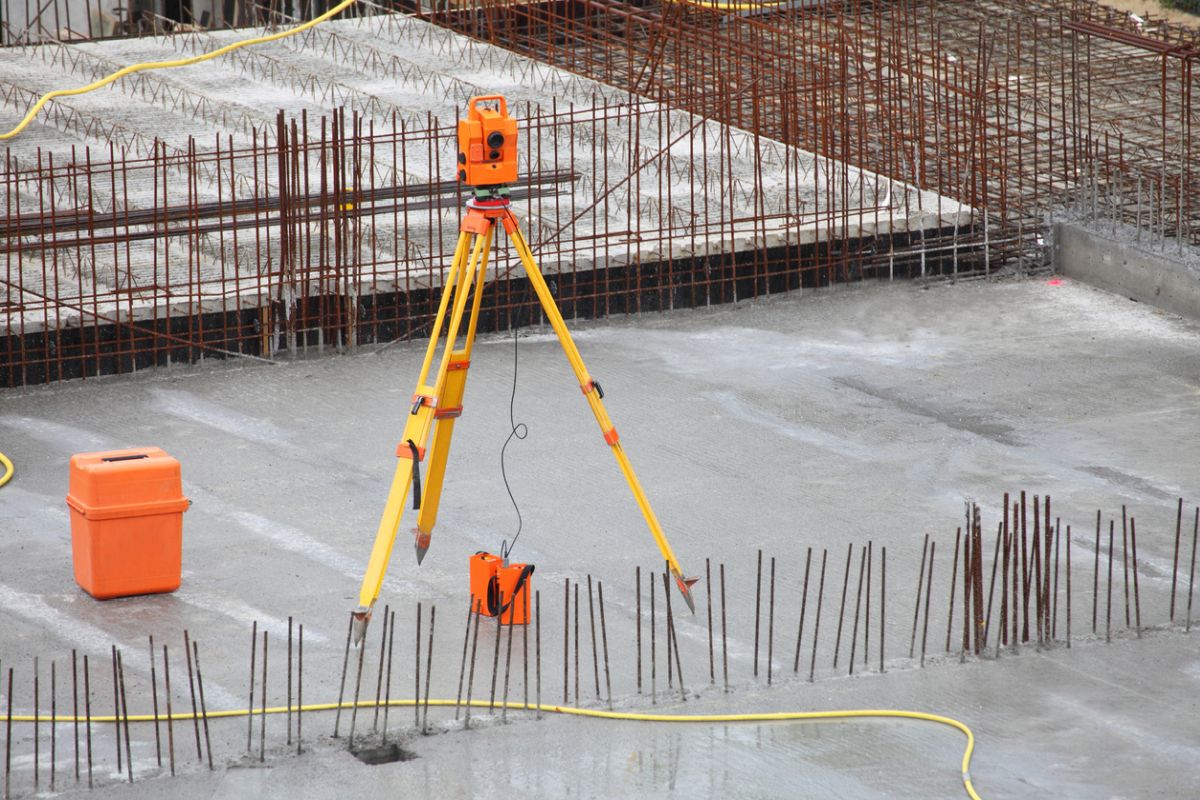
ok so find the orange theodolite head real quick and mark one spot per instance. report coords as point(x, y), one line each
point(487, 144)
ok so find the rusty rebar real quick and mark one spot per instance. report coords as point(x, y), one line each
point(203, 704)
point(912, 643)
point(812, 664)
point(604, 643)
point(170, 715)
point(250, 704)
point(429, 667)
point(837, 642)
point(803, 611)
point(928, 593)
point(771, 624)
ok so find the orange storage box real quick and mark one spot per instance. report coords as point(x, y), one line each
point(126, 522)
point(499, 588)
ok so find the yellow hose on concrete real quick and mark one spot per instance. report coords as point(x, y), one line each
point(769, 716)
point(181, 62)
point(8, 469)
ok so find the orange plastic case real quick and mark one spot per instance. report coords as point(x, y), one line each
point(126, 522)
point(499, 589)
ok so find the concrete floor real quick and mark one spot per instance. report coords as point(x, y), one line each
point(869, 412)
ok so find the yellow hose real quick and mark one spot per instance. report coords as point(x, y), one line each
point(769, 716)
point(8, 469)
point(182, 62)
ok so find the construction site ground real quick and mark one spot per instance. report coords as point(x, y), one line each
point(863, 413)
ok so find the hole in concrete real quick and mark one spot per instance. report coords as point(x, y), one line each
point(383, 754)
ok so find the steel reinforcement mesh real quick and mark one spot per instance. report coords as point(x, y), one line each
point(759, 151)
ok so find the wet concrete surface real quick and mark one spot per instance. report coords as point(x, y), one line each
point(869, 412)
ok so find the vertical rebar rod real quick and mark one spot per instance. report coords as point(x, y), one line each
point(124, 715)
point(362, 654)
point(912, 643)
point(524, 648)
point(757, 615)
point(771, 624)
point(576, 599)
point(637, 580)
point(154, 698)
point(170, 714)
point(1068, 587)
point(250, 705)
point(462, 667)
point(671, 638)
point(471, 672)
point(867, 609)
point(653, 642)
point(1175, 558)
point(1054, 605)
point(812, 664)
point(192, 689)
point(803, 611)
point(507, 660)
point(567, 640)
point(882, 603)
point(203, 704)
point(724, 634)
point(428, 668)
point(862, 564)
point(37, 721)
point(1187, 627)
point(117, 712)
point(837, 642)
point(987, 624)
point(87, 710)
point(537, 641)
point(416, 668)
point(1108, 618)
point(954, 585)
point(262, 725)
point(928, 592)
point(387, 689)
point(592, 625)
point(53, 722)
point(1125, 562)
point(337, 717)
point(289, 685)
point(712, 669)
point(1137, 601)
point(668, 641)
point(75, 707)
point(8, 736)
point(383, 638)
point(603, 642)
point(1096, 577)
point(300, 690)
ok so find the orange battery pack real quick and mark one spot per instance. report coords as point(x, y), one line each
point(500, 589)
point(126, 522)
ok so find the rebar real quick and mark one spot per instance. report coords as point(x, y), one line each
point(203, 704)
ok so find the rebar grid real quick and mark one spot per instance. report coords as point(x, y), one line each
point(944, 134)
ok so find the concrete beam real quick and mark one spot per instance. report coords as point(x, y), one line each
point(1127, 268)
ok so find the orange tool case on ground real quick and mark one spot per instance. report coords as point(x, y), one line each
point(497, 588)
point(126, 522)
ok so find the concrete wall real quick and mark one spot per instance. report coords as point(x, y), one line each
point(1126, 268)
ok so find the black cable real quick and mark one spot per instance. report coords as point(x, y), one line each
point(517, 430)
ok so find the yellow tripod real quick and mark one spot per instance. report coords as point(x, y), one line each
point(437, 402)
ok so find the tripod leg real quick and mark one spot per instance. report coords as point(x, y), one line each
point(449, 408)
point(417, 427)
point(593, 393)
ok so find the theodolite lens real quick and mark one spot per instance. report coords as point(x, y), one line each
point(495, 140)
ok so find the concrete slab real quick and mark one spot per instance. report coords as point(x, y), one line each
point(820, 420)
